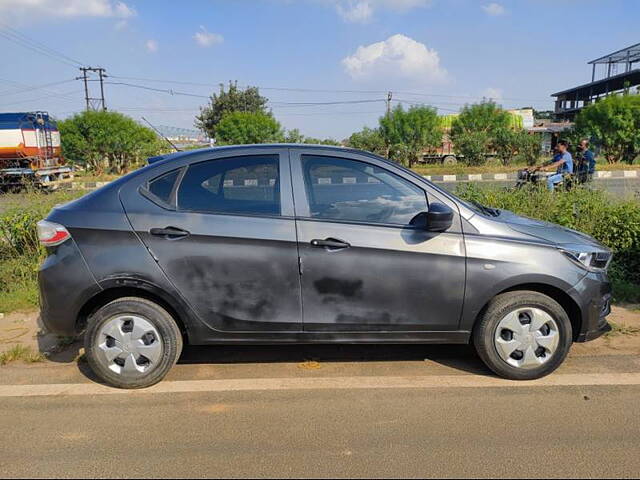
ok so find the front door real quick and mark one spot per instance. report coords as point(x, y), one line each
point(223, 232)
point(363, 267)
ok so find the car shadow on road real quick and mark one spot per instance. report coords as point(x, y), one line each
point(461, 358)
point(458, 357)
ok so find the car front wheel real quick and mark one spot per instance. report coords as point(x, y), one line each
point(523, 335)
point(132, 343)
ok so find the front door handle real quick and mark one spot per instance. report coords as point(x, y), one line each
point(330, 243)
point(169, 232)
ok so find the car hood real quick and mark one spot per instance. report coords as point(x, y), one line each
point(546, 231)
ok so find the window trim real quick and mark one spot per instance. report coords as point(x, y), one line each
point(279, 182)
point(300, 189)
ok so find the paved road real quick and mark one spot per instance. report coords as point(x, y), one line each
point(404, 412)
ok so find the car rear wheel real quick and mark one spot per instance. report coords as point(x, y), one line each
point(523, 335)
point(132, 343)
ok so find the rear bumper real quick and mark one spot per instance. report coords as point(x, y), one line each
point(65, 286)
point(593, 294)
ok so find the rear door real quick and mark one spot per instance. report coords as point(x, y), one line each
point(363, 267)
point(222, 229)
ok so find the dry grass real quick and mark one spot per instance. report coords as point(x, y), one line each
point(618, 329)
point(21, 353)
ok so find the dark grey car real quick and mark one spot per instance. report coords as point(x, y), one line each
point(284, 244)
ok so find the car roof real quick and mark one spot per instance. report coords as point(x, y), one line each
point(256, 146)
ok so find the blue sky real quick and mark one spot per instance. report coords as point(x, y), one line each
point(445, 53)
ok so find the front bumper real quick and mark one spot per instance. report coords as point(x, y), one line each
point(593, 294)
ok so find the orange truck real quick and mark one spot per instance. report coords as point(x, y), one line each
point(30, 152)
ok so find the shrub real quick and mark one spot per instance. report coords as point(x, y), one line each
point(20, 251)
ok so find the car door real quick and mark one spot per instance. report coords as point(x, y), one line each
point(222, 230)
point(364, 268)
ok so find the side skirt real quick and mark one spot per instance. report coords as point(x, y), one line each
point(453, 337)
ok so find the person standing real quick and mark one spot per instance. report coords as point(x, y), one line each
point(562, 163)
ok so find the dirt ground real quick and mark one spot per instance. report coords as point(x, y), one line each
point(21, 328)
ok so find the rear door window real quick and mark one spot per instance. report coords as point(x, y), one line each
point(236, 185)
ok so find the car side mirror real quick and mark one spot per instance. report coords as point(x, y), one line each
point(438, 218)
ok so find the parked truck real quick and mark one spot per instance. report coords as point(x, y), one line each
point(446, 152)
point(30, 152)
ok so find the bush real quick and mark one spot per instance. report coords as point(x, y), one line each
point(107, 142)
point(20, 251)
point(615, 223)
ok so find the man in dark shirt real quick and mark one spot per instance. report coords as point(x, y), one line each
point(589, 159)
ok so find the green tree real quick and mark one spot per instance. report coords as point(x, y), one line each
point(509, 144)
point(369, 139)
point(529, 146)
point(475, 130)
point(409, 133)
point(294, 136)
point(107, 141)
point(226, 101)
point(237, 128)
point(614, 124)
point(506, 144)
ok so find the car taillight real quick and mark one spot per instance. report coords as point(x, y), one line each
point(51, 234)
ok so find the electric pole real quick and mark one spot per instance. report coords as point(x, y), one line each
point(389, 98)
point(93, 103)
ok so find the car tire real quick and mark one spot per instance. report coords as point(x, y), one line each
point(510, 324)
point(132, 343)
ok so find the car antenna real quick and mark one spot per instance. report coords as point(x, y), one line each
point(158, 132)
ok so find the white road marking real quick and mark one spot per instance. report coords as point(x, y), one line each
point(323, 383)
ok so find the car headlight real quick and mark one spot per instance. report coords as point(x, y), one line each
point(592, 261)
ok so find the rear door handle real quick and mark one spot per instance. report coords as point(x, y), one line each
point(330, 243)
point(169, 232)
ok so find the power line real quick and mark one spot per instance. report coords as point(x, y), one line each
point(167, 91)
point(24, 41)
point(62, 96)
point(312, 90)
point(30, 89)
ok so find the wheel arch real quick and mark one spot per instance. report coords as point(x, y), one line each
point(119, 290)
point(562, 297)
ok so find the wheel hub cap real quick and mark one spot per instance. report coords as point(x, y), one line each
point(129, 345)
point(527, 338)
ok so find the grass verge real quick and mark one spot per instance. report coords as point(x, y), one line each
point(20, 252)
point(21, 353)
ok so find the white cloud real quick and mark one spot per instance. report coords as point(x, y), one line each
point(66, 8)
point(151, 46)
point(494, 9)
point(398, 56)
point(207, 39)
point(355, 11)
point(362, 11)
point(494, 94)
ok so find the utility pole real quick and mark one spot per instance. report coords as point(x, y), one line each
point(93, 103)
point(389, 98)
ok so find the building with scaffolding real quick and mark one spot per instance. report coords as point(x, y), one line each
point(612, 73)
